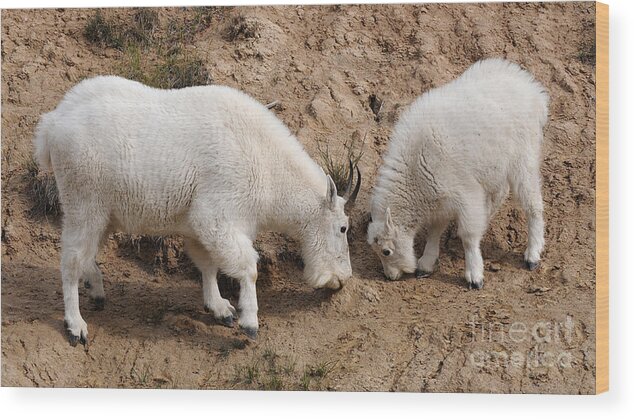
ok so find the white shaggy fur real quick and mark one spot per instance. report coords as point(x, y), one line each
point(453, 155)
point(208, 163)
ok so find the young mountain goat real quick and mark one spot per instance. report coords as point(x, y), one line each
point(208, 163)
point(453, 155)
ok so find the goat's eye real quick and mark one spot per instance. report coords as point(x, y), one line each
point(343, 229)
point(387, 252)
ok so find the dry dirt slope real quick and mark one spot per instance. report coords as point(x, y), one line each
point(323, 64)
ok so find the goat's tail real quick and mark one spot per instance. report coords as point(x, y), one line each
point(40, 142)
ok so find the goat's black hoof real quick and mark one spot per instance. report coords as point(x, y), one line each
point(227, 321)
point(422, 274)
point(252, 333)
point(73, 339)
point(476, 285)
point(531, 266)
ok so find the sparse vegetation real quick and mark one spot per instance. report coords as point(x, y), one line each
point(588, 44)
point(185, 26)
point(336, 160)
point(314, 374)
point(102, 32)
point(43, 191)
point(146, 19)
point(159, 311)
point(271, 371)
point(587, 53)
point(320, 370)
point(241, 27)
point(119, 35)
point(141, 376)
point(142, 28)
point(155, 57)
point(163, 252)
point(177, 70)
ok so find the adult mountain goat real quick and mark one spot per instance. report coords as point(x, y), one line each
point(208, 163)
point(453, 155)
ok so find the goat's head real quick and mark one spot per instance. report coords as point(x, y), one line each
point(394, 247)
point(325, 244)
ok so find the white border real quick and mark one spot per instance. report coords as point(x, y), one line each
point(153, 404)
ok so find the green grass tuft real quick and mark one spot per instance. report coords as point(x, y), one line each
point(336, 160)
point(268, 370)
point(149, 55)
point(139, 31)
point(103, 32)
point(181, 70)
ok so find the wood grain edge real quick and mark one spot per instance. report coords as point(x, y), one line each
point(602, 199)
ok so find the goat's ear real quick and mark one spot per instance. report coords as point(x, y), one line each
point(389, 224)
point(331, 195)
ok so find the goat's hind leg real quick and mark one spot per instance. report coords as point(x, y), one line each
point(93, 280)
point(80, 243)
point(527, 189)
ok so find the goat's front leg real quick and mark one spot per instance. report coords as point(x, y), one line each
point(472, 223)
point(221, 308)
point(236, 257)
point(427, 263)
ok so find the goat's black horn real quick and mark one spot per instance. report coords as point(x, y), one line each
point(357, 187)
point(346, 192)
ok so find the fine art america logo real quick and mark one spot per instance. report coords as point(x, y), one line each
point(544, 344)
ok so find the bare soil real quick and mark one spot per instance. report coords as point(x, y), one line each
point(338, 72)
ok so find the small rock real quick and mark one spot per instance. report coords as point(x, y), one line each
point(7, 234)
point(358, 90)
point(300, 68)
point(568, 275)
point(370, 294)
point(416, 332)
point(494, 267)
point(71, 75)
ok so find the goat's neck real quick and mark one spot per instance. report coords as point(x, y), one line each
point(294, 214)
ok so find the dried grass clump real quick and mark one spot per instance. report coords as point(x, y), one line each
point(336, 160)
point(43, 190)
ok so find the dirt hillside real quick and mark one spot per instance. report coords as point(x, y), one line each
point(340, 73)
